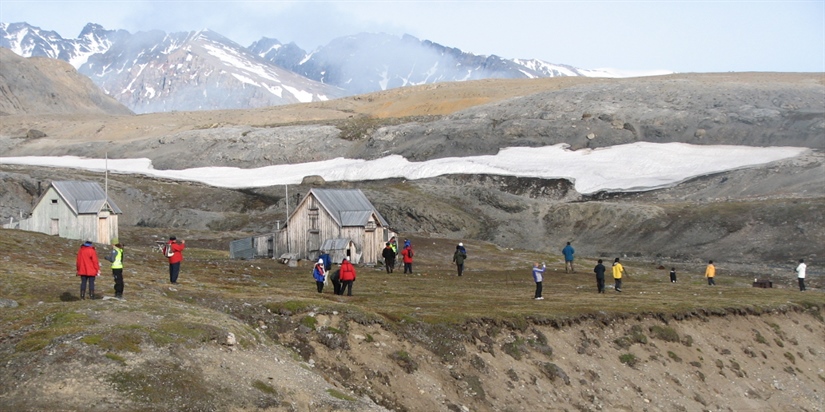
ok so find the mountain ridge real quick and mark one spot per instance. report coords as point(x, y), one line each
point(146, 72)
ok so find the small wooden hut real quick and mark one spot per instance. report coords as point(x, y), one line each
point(74, 210)
point(335, 214)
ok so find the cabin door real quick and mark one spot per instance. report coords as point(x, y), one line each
point(103, 230)
point(314, 243)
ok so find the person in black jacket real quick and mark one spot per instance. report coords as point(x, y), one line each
point(599, 270)
point(389, 257)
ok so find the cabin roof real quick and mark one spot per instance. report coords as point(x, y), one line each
point(84, 197)
point(349, 207)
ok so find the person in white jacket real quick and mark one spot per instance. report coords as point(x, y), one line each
point(537, 276)
point(800, 274)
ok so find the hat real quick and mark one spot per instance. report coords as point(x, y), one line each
point(172, 238)
point(346, 257)
point(87, 243)
point(321, 261)
point(460, 244)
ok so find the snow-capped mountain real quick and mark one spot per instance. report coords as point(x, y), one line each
point(370, 62)
point(155, 71)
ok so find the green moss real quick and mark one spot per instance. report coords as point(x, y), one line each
point(116, 358)
point(91, 339)
point(790, 357)
point(761, 339)
point(264, 387)
point(674, 356)
point(664, 333)
point(339, 395)
point(309, 321)
point(629, 359)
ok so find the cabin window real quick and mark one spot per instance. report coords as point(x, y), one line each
point(54, 201)
point(370, 227)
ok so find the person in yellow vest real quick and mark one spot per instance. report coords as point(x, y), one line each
point(116, 257)
point(618, 271)
point(710, 273)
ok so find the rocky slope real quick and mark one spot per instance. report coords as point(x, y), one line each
point(40, 85)
point(772, 213)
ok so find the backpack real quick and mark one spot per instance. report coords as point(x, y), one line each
point(168, 252)
point(111, 256)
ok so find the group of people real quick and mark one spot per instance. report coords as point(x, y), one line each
point(618, 271)
point(88, 265)
point(390, 255)
point(341, 278)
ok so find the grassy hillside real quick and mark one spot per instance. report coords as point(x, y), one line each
point(169, 348)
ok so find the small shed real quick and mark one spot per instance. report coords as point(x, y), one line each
point(340, 248)
point(74, 210)
point(260, 246)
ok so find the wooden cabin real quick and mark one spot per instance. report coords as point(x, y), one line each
point(335, 214)
point(74, 210)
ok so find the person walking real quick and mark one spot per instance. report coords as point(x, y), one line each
point(407, 257)
point(800, 274)
point(599, 271)
point(458, 257)
point(116, 257)
point(710, 273)
point(538, 277)
point(347, 276)
point(389, 257)
point(88, 268)
point(175, 248)
point(319, 274)
point(618, 271)
point(568, 258)
point(672, 275)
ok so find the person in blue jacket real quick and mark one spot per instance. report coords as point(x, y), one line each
point(568, 258)
point(327, 260)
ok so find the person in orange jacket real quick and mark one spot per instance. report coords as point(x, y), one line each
point(88, 268)
point(176, 248)
point(346, 276)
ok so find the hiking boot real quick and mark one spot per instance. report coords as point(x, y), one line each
point(82, 295)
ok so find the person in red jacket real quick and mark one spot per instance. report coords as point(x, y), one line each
point(407, 257)
point(346, 276)
point(88, 268)
point(177, 256)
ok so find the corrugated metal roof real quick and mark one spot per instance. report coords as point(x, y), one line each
point(350, 207)
point(84, 197)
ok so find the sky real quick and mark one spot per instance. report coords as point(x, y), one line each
point(645, 166)
point(643, 35)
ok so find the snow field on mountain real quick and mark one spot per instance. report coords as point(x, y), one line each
point(631, 167)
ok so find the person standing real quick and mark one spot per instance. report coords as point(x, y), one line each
point(599, 270)
point(347, 276)
point(672, 275)
point(407, 257)
point(458, 257)
point(800, 274)
point(389, 257)
point(394, 246)
point(618, 271)
point(538, 277)
point(335, 277)
point(568, 258)
point(88, 268)
point(175, 247)
point(319, 274)
point(710, 273)
point(116, 257)
point(327, 260)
